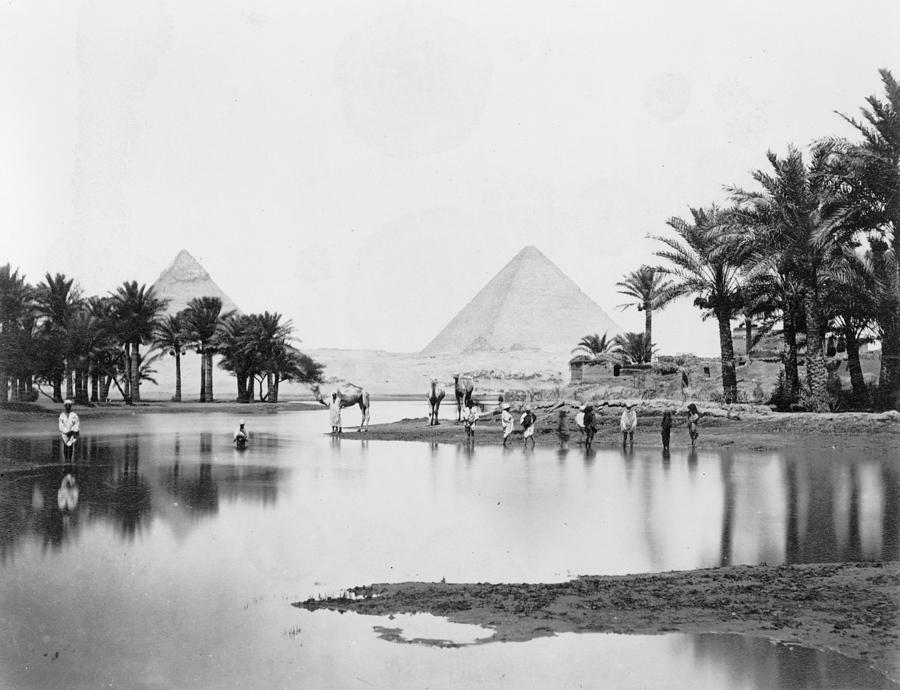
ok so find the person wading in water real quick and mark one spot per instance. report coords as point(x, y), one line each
point(69, 429)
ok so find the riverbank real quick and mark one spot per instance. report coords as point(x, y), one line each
point(853, 609)
point(735, 427)
point(43, 409)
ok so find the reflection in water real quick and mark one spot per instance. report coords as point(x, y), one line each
point(890, 511)
point(692, 460)
point(726, 464)
point(300, 513)
point(769, 665)
point(109, 483)
point(67, 496)
point(198, 494)
point(590, 456)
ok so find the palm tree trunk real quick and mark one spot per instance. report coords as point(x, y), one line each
point(69, 393)
point(57, 388)
point(241, 379)
point(251, 385)
point(729, 374)
point(177, 397)
point(202, 375)
point(95, 379)
point(275, 389)
point(748, 334)
point(269, 388)
point(79, 387)
point(209, 377)
point(890, 345)
point(105, 383)
point(816, 374)
point(127, 390)
point(889, 373)
point(791, 377)
point(648, 323)
point(4, 386)
point(136, 371)
point(860, 392)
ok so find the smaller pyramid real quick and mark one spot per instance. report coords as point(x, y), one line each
point(186, 279)
point(529, 305)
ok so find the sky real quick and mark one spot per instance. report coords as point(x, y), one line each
point(364, 168)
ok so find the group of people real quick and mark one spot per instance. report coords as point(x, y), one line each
point(586, 421)
point(527, 421)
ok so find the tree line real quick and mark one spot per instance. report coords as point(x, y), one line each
point(808, 254)
point(81, 347)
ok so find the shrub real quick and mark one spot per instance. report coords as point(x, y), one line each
point(781, 396)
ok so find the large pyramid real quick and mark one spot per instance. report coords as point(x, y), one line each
point(186, 279)
point(529, 304)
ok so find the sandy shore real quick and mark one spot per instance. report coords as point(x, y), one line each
point(849, 608)
point(873, 432)
point(24, 412)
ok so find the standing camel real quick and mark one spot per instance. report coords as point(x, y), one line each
point(350, 395)
point(463, 390)
point(435, 395)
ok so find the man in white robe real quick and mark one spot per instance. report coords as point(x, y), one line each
point(69, 429)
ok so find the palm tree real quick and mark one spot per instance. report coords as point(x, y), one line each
point(795, 217)
point(13, 305)
point(137, 310)
point(273, 349)
point(699, 267)
point(649, 290)
point(882, 264)
point(169, 337)
point(102, 309)
point(597, 346)
point(869, 172)
point(203, 319)
point(775, 293)
point(56, 302)
point(636, 348)
point(238, 343)
point(85, 337)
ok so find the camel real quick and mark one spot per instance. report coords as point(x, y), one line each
point(434, 397)
point(350, 395)
point(463, 390)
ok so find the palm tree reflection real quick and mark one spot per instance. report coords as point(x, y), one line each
point(726, 463)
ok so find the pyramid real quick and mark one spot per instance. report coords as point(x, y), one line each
point(529, 305)
point(186, 279)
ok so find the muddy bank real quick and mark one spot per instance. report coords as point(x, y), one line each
point(849, 608)
point(736, 427)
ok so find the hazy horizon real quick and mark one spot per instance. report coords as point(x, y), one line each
point(365, 168)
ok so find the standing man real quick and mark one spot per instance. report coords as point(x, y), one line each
point(628, 424)
point(693, 423)
point(470, 422)
point(334, 412)
point(506, 422)
point(69, 428)
point(527, 421)
point(666, 429)
point(590, 426)
point(562, 428)
point(579, 422)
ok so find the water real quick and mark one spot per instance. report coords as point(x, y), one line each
point(177, 566)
